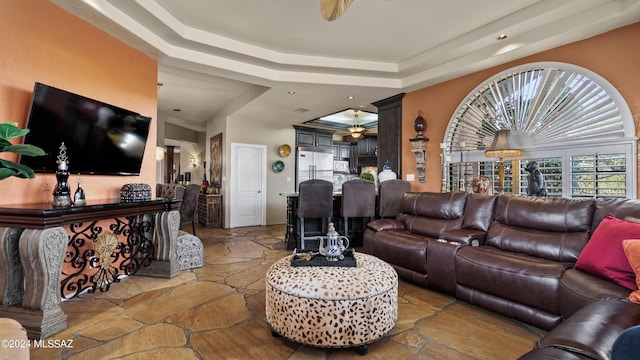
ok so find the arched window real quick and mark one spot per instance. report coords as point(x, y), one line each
point(571, 121)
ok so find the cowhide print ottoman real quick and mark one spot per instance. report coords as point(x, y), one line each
point(333, 307)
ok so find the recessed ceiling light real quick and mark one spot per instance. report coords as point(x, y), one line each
point(351, 97)
point(291, 92)
point(502, 37)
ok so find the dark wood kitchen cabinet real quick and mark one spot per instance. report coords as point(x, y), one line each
point(313, 138)
point(341, 150)
point(368, 146)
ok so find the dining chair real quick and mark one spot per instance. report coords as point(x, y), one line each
point(315, 200)
point(189, 205)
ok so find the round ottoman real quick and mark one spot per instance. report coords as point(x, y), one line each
point(332, 306)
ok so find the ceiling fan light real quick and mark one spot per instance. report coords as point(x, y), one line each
point(356, 129)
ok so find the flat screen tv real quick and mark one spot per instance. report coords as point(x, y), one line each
point(100, 138)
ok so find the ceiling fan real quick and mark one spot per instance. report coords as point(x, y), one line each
point(333, 9)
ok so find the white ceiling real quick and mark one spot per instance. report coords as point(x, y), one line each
point(246, 55)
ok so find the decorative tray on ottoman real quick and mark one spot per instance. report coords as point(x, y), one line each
point(313, 258)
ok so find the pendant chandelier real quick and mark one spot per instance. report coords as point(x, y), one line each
point(356, 130)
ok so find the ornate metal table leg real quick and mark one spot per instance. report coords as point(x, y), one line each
point(166, 264)
point(41, 253)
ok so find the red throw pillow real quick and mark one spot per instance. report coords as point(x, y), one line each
point(632, 250)
point(603, 255)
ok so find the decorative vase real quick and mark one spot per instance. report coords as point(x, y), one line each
point(205, 184)
point(79, 198)
point(387, 173)
point(419, 125)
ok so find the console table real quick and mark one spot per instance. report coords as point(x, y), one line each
point(97, 244)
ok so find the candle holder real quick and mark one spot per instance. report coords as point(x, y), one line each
point(62, 192)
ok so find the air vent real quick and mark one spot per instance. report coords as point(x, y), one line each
point(301, 110)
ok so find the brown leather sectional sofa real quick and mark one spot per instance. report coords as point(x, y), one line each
point(513, 255)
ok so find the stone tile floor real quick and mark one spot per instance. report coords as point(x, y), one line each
point(217, 312)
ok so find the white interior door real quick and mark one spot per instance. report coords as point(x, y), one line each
point(248, 185)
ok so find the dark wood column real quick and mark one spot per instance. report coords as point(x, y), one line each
point(168, 177)
point(390, 132)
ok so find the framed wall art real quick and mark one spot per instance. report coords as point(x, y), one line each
point(215, 170)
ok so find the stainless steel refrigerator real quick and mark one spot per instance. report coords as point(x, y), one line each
point(314, 165)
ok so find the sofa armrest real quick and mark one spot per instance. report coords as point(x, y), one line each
point(592, 330)
point(385, 224)
point(473, 237)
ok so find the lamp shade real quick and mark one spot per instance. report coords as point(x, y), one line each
point(503, 146)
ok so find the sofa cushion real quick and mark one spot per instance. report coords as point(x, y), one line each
point(632, 250)
point(579, 289)
point(559, 215)
point(399, 247)
point(555, 229)
point(478, 213)
point(603, 255)
point(447, 206)
point(518, 277)
point(593, 330)
point(427, 226)
point(551, 245)
point(430, 214)
point(620, 208)
point(385, 224)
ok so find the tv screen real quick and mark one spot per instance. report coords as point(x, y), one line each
point(100, 138)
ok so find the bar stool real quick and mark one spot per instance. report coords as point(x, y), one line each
point(358, 201)
point(315, 200)
point(390, 196)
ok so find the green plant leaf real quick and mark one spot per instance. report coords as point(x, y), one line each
point(367, 176)
point(4, 144)
point(5, 173)
point(25, 149)
point(18, 170)
point(9, 130)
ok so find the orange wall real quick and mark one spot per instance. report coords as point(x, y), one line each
point(613, 55)
point(41, 42)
